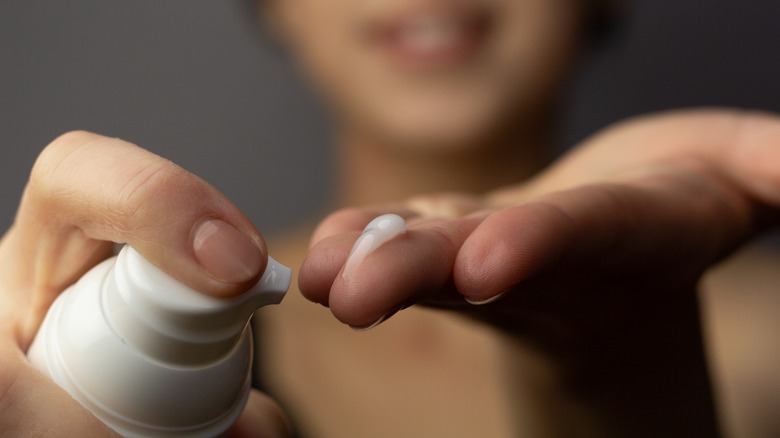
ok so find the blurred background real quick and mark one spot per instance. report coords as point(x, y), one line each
point(196, 82)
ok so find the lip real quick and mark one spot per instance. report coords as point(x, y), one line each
point(430, 36)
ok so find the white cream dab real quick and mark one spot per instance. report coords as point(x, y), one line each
point(380, 230)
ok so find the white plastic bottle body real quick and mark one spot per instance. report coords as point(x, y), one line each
point(137, 366)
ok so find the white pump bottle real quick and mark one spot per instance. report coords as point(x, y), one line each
point(149, 356)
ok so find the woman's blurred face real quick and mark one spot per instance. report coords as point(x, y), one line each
point(431, 73)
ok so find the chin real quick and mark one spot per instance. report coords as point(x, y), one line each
point(439, 136)
point(443, 129)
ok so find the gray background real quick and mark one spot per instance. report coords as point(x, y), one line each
point(193, 81)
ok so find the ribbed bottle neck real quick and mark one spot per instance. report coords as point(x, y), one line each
point(170, 322)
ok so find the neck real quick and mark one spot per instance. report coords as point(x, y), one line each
point(372, 172)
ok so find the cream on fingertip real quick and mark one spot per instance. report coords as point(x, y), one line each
point(379, 231)
point(483, 301)
point(372, 325)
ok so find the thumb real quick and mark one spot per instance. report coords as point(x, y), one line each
point(87, 191)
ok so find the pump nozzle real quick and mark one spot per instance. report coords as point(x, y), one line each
point(162, 316)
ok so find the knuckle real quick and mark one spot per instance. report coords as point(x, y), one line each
point(89, 174)
point(444, 205)
point(51, 161)
point(153, 184)
point(52, 168)
point(148, 180)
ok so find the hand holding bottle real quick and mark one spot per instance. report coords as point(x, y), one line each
point(87, 192)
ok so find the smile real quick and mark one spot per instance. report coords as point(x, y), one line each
point(431, 39)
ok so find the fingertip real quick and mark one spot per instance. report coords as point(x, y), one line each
point(330, 247)
point(507, 248)
point(213, 256)
point(322, 265)
point(355, 219)
point(413, 266)
point(262, 418)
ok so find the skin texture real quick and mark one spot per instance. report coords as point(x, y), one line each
point(385, 156)
point(690, 156)
point(85, 193)
point(615, 244)
point(405, 128)
point(480, 144)
point(587, 269)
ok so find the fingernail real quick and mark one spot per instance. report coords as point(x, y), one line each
point(483, 301)
point(372, 325)
point(226, 253)
point(381, 319)
point(376, 233)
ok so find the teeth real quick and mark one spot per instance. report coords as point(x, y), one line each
point(430, 34)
